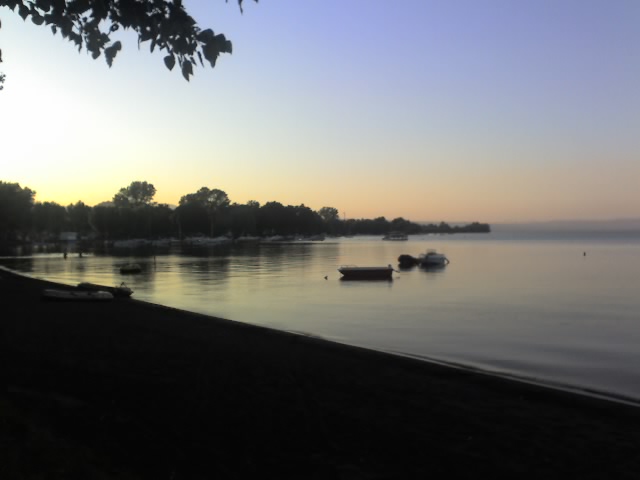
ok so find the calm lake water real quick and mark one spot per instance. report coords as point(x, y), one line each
point(530, 305)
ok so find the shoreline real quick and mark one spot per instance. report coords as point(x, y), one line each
point(194, 395)
point(538, 383)
point(588, 392)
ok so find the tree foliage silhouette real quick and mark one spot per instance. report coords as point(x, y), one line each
point(213, 201)
point(165, 24)
point(15, 208)
point(135, 195)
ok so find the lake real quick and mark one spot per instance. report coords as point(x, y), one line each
point(525, 304)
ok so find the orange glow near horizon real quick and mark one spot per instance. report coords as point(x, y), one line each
point(463, 121)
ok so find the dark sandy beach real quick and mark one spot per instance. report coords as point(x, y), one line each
point(127, 389)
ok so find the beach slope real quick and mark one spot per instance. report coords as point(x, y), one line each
point(127, 389)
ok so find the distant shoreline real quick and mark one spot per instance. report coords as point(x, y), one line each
point(615, 225)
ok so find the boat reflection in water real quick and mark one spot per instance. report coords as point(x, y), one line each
point(351, 272)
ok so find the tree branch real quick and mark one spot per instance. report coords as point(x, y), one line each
point(164, 24)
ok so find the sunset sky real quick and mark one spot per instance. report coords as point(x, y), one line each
point(461, 110)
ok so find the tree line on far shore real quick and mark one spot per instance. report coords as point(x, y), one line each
point(133, 214)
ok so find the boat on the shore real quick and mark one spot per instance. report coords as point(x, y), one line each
point(433, 259)
point(131, 268)
point(396, 236)
point(76, 295)
point(352, 272)
point(117, 291)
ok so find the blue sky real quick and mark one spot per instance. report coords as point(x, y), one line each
point(431, 110)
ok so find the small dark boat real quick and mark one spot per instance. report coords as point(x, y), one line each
point(131, 268)
point(407, 261)
point(351, 272)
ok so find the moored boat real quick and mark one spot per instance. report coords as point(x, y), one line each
point(433, 259)
point(396, 236)
point(407, 261)
point(118, 291)
point(351, 272)
point(131, 268)
point(76, 295)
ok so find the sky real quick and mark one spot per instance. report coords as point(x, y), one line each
point(458, 110)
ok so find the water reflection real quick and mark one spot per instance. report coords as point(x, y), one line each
point(439, 269)
point(498, 305)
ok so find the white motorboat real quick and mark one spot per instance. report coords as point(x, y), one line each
point(433, 259)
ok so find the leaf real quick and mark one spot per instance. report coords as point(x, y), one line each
point(111, 52)
point(187, 70)
point(144, 36)
point(23, 11)
point(65, 25)
point(44, 5)
point(170, 61)
point(205, 36)
point(211, 54)
point(76, 38)
point(222, 44)
point(37, 19)
point(54, 29)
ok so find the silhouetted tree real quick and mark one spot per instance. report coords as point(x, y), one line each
point(328, 214)
point(135, 195)
point(243, 219)
point(78, 215)
point(49, 218)
point(331, 219)
point(198, 213)
point(15, 209)
point(401, 225)
point(105, 220)
point(160, 221)
point(444, 227)
point(306, 221)
point(271, 218)
point(214, 202)
point(165, 24)
point(192, 218)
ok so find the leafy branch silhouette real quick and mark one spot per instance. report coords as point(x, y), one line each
point(165, 24)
